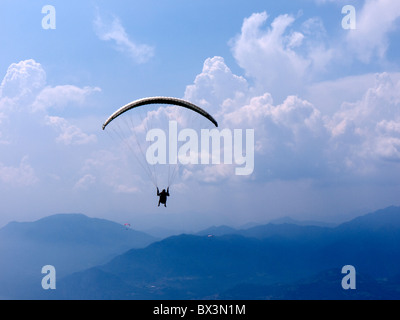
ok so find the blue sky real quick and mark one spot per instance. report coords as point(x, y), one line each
point(323, 102)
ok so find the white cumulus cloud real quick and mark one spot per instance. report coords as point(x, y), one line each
point(69, 133)
point(59, 97)
point(22, 78)
point(21, 175)
point(375, 21)
point(85, 182)
point(114, 31)
point(27, 127)
point(369, 128)
point(268, 54)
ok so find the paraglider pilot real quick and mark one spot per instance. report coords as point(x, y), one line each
point(163, 196)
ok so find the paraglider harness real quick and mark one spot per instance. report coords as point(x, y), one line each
point(163, 196)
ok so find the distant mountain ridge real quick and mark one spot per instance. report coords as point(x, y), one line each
point(100, 259)
point(70, 242)
point(265, 262)
point(283, 230)
point(388, 218)
point(76, 228)
point(289, 220)
point(258, 230)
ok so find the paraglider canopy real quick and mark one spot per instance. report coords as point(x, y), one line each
point(141, 127)
point(160, 100)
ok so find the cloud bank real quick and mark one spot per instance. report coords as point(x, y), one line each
point(27, 107)
point(357, 139)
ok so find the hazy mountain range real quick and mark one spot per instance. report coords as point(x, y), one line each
point(69, 242)
point(99, 259)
